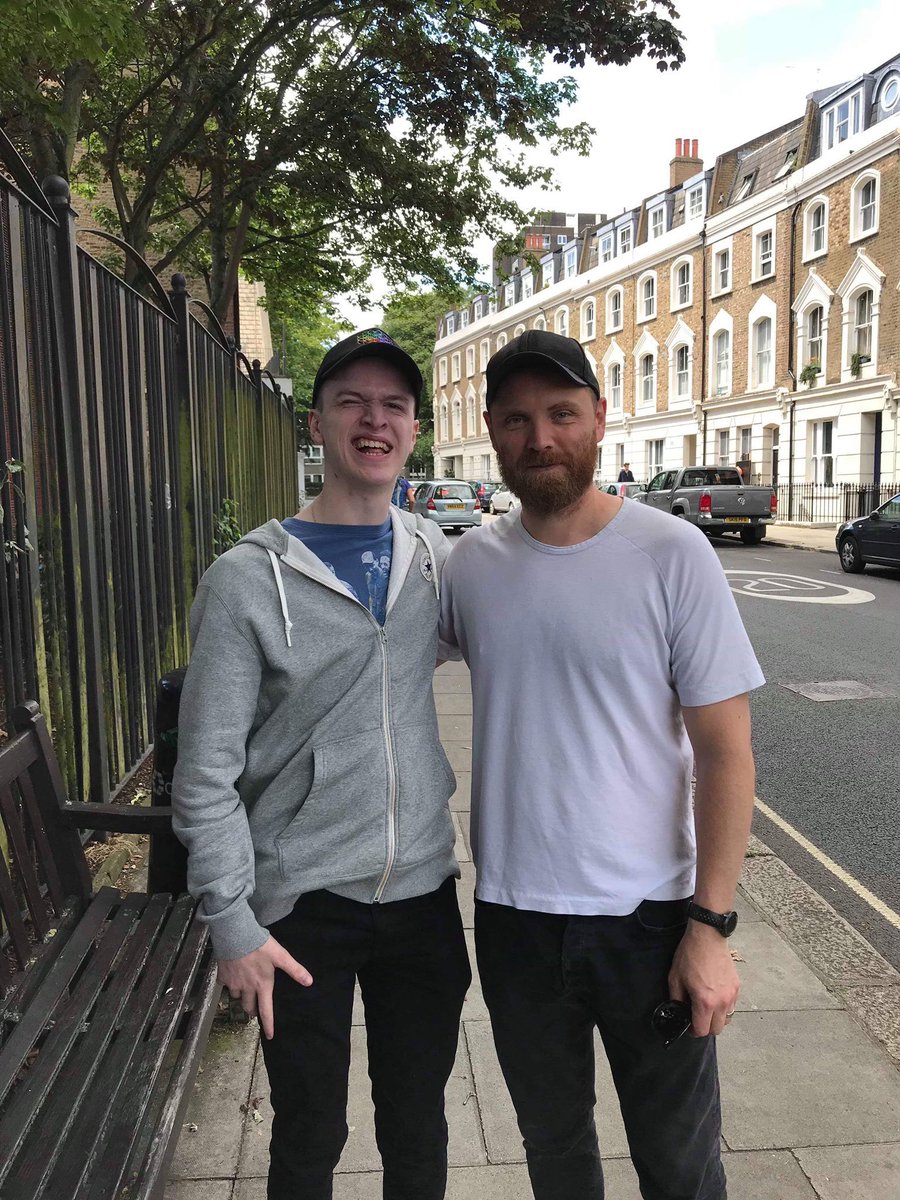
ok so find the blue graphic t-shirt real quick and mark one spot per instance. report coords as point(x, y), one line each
point(358, 555)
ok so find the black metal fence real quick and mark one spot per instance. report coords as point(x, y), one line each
point(134, 424)
point(821, 504)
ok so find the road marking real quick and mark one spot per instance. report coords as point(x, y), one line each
point(822, 858)
point(828, 571)
point(779, 585)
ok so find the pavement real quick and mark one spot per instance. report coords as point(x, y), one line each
point(802, 537)
point(810, 1066)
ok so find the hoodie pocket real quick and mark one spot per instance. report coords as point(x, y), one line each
point(340, 830)
point(426, 783)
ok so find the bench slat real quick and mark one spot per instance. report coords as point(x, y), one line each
point(42, 841)
point(12, 916)
point(88, 1135)
point(26, 984)
point(61, 1103)
point(53, 988)
point(22, 857)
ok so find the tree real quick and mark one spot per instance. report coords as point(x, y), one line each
point(313, 140)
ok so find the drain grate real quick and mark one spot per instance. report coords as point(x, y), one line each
point(836, 689)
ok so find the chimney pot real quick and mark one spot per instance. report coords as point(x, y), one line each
point(694, 149)
point(678, 147)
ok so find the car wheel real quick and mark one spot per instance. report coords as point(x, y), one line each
point(491, 509)
point(752, 537)
point(851, 556)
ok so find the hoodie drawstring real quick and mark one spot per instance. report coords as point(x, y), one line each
point(279, 583)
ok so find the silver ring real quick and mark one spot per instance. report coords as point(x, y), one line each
point(728, 1016)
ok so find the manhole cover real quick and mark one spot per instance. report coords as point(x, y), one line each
point(836, 689)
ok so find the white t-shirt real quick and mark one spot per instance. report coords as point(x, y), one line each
point(581, 658)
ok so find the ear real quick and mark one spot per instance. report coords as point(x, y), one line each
point(490, 428)
point(415, 434)
point(313, 419)
point(600, 419)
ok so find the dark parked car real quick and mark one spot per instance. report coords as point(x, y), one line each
point(484, 489)
point(872, 539)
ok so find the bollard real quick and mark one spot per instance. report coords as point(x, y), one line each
point(167, 870)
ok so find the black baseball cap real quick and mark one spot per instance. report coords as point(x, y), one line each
point(537, 347)
point(369, 343)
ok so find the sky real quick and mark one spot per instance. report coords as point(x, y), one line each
point(750, 65)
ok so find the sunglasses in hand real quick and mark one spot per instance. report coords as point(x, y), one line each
point(671, 1020)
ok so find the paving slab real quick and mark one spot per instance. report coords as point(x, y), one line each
point(445, 684)
point(772, 975)
point(853, 1172)
point(455, 704)
point(200, 1189)
point(836, 952)
point(805, 1079)
point(455, 729)
point(461, 848)
point(452, 667)
point(474, 1008)
point(465, 893)
point(459, 754)
point(212, 1149)
point(878, 1009)
point(461, 800)
point(745, 910)
point(502, 1137)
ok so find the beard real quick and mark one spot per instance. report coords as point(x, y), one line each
point(547, 493)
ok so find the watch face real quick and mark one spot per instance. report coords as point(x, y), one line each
point(730, 925)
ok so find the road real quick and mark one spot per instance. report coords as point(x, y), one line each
point(829, 771)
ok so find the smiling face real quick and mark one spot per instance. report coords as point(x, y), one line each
point(366, 422)
point(545, 432)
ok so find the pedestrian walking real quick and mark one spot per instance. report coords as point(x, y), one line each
point(603, 898)
point(314, 801)
point(626, 475)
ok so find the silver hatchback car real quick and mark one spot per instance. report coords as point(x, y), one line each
point(449, 502)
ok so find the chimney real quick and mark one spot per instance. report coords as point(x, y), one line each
point(685, 163)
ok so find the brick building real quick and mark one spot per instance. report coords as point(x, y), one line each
point(747, 312)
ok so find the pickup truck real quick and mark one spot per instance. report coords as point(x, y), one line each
point(715, 499)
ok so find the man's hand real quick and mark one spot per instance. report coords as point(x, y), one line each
point(703, 973)
point(250, 979)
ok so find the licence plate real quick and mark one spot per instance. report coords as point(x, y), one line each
point(453, 506)
point(737, 520)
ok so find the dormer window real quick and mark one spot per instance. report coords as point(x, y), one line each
point(657, 222)
point(464, 318)
point(842, 120)
point(527, 285)
point(547, 273)
point(477, 310)
point(625, 239)
point(561, 239)
point(571, 262)
point(746, 187)
point(695, 203)
point(606, 248)
point(450, 323)
point(889, 95)
point(788, 165)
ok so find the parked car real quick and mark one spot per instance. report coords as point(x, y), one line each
point(715, 499)
point(503, 500)
point(871, 539)
point(452, 503)
point(631, 491)
point(484, 489)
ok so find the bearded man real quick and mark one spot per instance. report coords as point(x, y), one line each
point(603, 897)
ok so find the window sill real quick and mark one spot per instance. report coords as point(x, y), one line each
point(644, 320)
point(861, 237)
point(724, 292)
point(611, 329)
point(815, 256)
point(762, 278)
point(681, 307)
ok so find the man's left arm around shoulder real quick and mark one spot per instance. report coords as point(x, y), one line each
point(703, 970)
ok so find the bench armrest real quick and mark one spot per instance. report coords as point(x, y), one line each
point(118, 818)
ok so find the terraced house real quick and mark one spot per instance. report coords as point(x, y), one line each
point(747, 312)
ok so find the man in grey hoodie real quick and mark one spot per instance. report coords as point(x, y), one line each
point(312, 791)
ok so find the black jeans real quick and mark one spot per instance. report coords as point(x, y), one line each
point(411, 961)
point(548, 981)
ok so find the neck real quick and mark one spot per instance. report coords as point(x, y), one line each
point(340, 506)
point(577, 523)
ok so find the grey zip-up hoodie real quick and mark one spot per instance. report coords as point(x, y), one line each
point(308, 750)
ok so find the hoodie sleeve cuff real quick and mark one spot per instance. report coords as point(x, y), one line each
point(236, 932)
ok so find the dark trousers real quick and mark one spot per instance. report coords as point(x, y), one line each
point(548, 982)
point(411, 961)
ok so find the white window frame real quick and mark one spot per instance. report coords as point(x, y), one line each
point(625, 238)
point(614, 357)
point(588, 320)
point(470, 361)
point(676, 303)
point(539, 323)
point(502, 339)
point(642, 301)
point(646, 348)
point(833, 119)
point(561, 321)
point(723, 447)
point(456, 418)
point(547, 274)
point(484, 354)
point(571, 263)
point(527, 285)
point(821, 441)
point(746, 187)
point(764, 309)
point(607, 247)
point(857, 232)
point(445, 422)
point(890, 78)
point(455, 366)
point(509, 293)
point(561, 239)
point(519, 329)
point(810, 253)
point(721, 383)
point(694, 211)
point(863, 275)
point(681, 337)
point(470, 414)
point(719, 248)
point(477, 310)
point(442, 372)
point(815, 293)
point(611, 326)
point(464, 319)
point(657, 222)
point(450, 323)
point(656, 450)
point(760, 232)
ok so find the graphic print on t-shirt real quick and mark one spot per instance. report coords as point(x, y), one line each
point(357, 555)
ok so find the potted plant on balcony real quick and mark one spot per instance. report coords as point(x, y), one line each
point(810, 372)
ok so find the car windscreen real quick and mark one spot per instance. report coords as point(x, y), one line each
point(453, 491)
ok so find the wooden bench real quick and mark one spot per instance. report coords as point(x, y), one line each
point(106, 1001)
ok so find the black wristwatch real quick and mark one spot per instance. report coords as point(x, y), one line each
point(726, 923)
